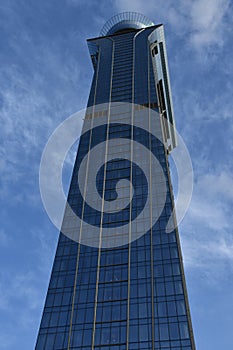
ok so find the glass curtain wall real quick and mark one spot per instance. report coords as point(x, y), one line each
point(132, 296)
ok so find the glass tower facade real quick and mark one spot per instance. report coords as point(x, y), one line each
point(125, 291)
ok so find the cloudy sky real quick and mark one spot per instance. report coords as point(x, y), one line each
point(45, 76)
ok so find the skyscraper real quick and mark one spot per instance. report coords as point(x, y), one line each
point(119, 282)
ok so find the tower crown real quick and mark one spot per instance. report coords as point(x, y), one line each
point(125, 21)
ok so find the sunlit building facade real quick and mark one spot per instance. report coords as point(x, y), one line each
point(124, 292)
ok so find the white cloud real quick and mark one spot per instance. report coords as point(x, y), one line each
point(208, 13)
point(217, 185)
point(24, 284)
point(202, 22)
point(209, 214)
point(210, 205)
point(4, 239)
point(209, 21)
point(212, 254)
point(22, 287)
point(31, 109)
point(206, 232)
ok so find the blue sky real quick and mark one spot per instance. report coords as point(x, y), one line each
point(45, 75)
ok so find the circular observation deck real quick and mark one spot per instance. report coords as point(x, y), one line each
point(125, 21)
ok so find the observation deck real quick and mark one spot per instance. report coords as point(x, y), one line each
point(125, 21)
